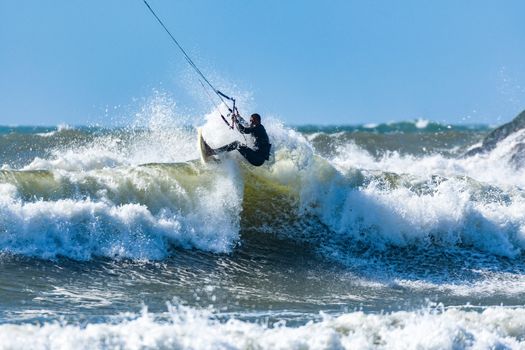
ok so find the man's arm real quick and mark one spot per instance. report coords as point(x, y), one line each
point(243, 129)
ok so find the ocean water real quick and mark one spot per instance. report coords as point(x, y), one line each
point(368, 236)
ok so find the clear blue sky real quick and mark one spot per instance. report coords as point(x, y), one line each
point(321, 62)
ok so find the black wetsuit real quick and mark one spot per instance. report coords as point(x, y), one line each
point(261, 151)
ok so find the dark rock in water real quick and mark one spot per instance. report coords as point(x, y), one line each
point(500, 133)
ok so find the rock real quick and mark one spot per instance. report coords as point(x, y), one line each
point(498, 134)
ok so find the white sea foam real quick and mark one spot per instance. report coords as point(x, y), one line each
point(421, 123)
point(370, 125)
point(492, 168)
point(86, 158)
point(126, 215)
point(493, 327)
point(60, 127)
point(416, 210)
point(313, 136)
point(47, 134)
point(158, 134)
point(488, 284)
point(448, 215)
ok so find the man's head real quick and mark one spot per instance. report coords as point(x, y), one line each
point(255, 119)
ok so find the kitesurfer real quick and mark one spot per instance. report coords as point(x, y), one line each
point(261, 150)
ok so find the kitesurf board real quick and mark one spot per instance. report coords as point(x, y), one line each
point(204, 149)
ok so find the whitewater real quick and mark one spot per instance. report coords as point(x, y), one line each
point(367, 236)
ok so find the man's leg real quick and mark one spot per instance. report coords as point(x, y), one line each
point(251, 156)
point(227, 148)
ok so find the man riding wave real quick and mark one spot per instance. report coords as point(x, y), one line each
point(261, 150)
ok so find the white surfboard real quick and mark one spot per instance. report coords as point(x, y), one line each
point(204, 149)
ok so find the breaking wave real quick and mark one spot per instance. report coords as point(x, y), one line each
point(139, 192)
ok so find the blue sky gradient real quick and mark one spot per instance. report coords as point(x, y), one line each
point(316, 62)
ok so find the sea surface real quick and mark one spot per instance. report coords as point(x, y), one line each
point(365, 236)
